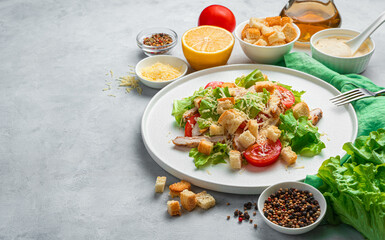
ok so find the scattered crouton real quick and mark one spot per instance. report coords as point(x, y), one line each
point(173, 208)
point(205, 200)
point(235, 159)
point(160, 184)
point(228, 84)
point(188, 200)
point(205, 147)
point(269, 86)
point(301, 109)
point(197, 102)
point(246, 139)
point(177, 188)
point(288, 155)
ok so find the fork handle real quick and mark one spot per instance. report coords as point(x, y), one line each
point(380, 93)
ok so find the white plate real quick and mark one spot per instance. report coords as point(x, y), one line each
point(158, 129)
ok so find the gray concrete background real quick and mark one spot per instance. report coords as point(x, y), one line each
point(72, 161)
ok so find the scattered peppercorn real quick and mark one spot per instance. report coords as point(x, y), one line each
point(228, 217)
point(236, 213)
point(227, 204)
point(157, 39)
point(240, 219)
point(251, 220)
point(254, 213)
point(255, 225)
point(292, 208)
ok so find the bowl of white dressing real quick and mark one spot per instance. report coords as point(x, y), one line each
point(328, 47)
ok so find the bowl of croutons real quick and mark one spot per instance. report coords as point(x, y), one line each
point(267, 40)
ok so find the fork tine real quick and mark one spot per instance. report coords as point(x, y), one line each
point(348, 98)
point(344, 94)
point(351, 100)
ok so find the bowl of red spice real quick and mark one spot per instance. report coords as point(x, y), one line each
point(292, 207)
point(157, 40)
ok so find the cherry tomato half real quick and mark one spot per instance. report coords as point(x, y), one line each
point(217, 15)
point(262, 155)
point(288, 97)
point(190, 123)
point(214, 84)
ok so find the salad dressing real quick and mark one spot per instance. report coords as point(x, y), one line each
point(337, 47)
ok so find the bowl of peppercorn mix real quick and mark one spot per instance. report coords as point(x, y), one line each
point(292, 207)
point(156, 41)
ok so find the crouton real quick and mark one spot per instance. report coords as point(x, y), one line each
point(188, 200)
point(216, 130)
point(289, 31)
point(288, 156)
point(253, 33)
point(243, 34)
point(231, 120)
point(279, 43)
point(267, 31)
point(177, 188)
point(235, 159)
point(251, 41)
point(269, 86)
point(205, 200)
point(257, 23)
point(205, 147)
point(277, 28)
point(231, 99)
point(273, 21)
point(252, 126)
point(197, 102)
point(160, 184)
point(225, 104)
point(260, 42)
point(273, 133)
point(228, 84)
point(173, 208)
point(285, 20)
point(301, 109)
point(246, 139)
point(276, 37)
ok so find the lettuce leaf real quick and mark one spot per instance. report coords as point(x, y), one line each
point(356, 194)
point(250, 80)
point(252, 103)
point(297, 94)
point(181, 106)
point(221, 92)
point(218, 155)
point(368, 148)
point(208, 112)
point(300, 134)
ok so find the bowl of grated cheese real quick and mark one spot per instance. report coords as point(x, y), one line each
point(158, 71)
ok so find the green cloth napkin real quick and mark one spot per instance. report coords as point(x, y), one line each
point(370, 111)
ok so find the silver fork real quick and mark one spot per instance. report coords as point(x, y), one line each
point(354, 95)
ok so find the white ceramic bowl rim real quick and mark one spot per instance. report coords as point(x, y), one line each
point(267, 47)
point(323, 212)
point(160, 56)
point(314, 37)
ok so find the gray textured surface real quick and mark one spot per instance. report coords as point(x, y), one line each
point(72, 162)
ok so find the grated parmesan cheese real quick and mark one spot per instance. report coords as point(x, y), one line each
point(130, 82)
point(160, 72)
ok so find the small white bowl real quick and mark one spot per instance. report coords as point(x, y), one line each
point(342, 65)
point(262, 54)
point(171, 60)
point(300, 186)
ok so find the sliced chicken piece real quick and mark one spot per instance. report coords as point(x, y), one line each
point(194, 141)
point(196, 130)
point(190, 112)
point(315, 115)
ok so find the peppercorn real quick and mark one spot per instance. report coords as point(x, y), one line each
point(158, 39)
point(290, 207)
point(240, 219)
point(255, 225)
point(236, 212)
point(228, 217)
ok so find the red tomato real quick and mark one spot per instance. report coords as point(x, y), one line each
point(190, 124)
point(243, 125)
point(262, 155)
point(217, 15)
point(288, 97)
point(214, 84)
